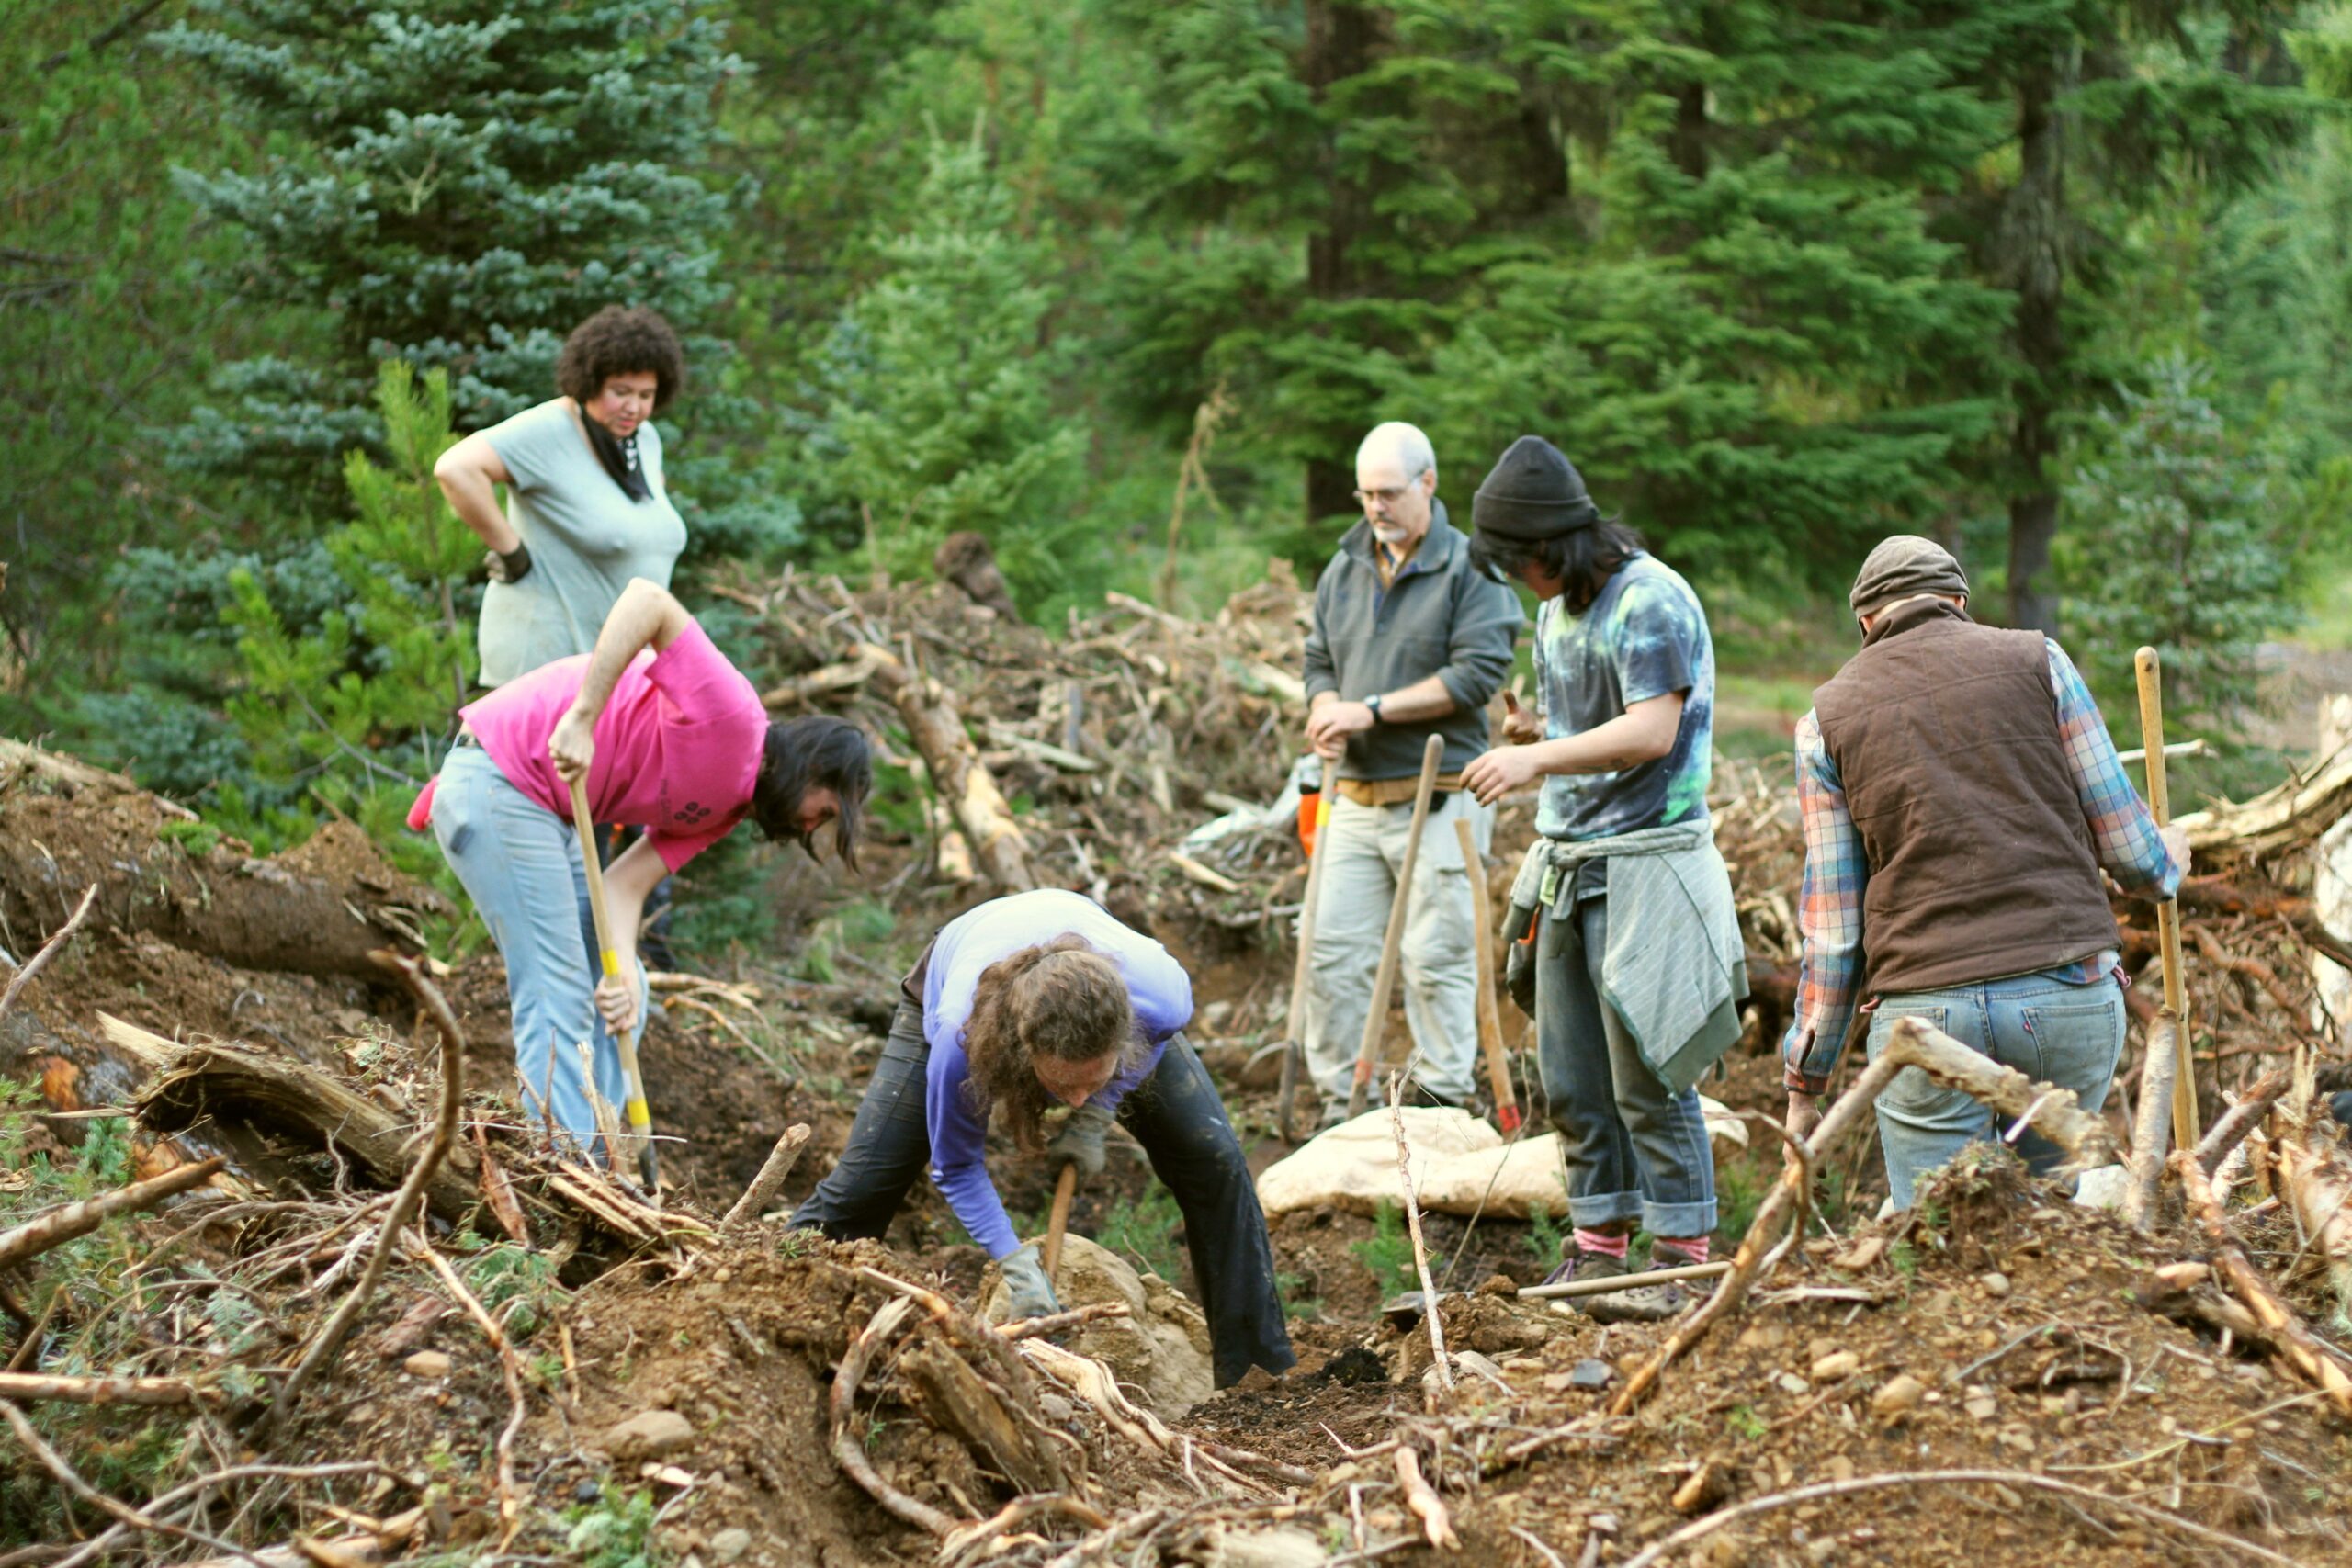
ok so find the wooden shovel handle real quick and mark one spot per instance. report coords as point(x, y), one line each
point(1385, 981)
point(2149, 669)
point(1064, 1188)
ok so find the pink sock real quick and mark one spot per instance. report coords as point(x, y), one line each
point(1600, 1242)
point(1666, 1253)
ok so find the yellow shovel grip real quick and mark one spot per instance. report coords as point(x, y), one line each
point(640, 1116)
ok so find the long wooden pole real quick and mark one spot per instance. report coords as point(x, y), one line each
point(2152, 736)
point(640, 1115)
point(1384, 980)
point(1490, 1013)
point(1302, 975)
point(1057, 1226)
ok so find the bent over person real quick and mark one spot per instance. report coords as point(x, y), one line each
point(1410, 640)
point(669, 738)
point(1639, 969)
point(1030, 1000)
point(1960, 797)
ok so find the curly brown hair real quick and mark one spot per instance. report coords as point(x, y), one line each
point(1061, 1000)
point(621, 340)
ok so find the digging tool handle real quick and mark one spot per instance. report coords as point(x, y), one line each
point(1569, 1287)
point(641, 1116)
point(2185, 1133)
point(1285, 1110)
point(1490, 1017)
point(1064, 1188)
point(1384, 980)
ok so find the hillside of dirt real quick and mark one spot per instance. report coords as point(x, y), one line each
point(556, 1366)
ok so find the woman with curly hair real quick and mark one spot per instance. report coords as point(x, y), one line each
point(587, 509)
point(1031, 1000)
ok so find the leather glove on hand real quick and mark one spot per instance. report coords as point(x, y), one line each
point(1079, 1142)
point(1518, 975)
point(1028, 1293)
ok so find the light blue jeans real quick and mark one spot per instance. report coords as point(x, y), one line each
point(520, 864)
point(2049, 1029)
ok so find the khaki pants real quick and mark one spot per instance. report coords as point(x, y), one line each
point(1439, 973)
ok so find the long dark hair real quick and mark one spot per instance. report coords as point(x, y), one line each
point(1059, 999)
point(1585, 559)
point(816, 752)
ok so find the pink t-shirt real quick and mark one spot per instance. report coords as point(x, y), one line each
point(677, 747)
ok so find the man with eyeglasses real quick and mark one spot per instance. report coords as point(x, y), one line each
point(1410, 640)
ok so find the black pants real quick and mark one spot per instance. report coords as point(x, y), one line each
point(1177, 1117)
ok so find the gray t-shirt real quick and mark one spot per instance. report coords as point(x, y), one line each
point(587, 539)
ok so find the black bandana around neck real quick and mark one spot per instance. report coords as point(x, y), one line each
point(619, 458)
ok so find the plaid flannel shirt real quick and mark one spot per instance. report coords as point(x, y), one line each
point(1829, 904)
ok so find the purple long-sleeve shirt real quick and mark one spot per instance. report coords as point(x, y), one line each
point(1160, 990)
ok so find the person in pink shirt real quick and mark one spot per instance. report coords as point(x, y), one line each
point(670, 737)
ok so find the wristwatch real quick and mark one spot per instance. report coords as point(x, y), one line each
point(1372, 702)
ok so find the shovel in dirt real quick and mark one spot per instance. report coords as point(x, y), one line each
point(1384, 981)
point(641, 1116)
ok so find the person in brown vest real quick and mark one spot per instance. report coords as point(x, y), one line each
point(1960, 797)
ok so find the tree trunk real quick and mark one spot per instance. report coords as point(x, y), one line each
point(2035, 240)
point(1339, 45)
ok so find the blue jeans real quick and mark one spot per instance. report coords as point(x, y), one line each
point(1635, 1149)
point(520, 864)
point(2051, 1030)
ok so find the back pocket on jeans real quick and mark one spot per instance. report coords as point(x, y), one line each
point(2077, 1045)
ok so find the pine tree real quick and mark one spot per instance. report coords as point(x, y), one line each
point(361, 704)
point(940, 415)
point(460, 183)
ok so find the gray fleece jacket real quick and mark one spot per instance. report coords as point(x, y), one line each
point(1443, 617)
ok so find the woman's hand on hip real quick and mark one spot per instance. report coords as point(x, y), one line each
point(572, 746)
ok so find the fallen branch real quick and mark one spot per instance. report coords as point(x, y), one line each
point(2295, 1344)
point(108, 1390)
point(1427, 1506)
point(509, 1503)
point(1700, 1528)
point(404, 1202)
point(966, 787)
point(1413, 1221)
point(1060, 1322)
point(1912, 1043)
point(849, 1450)
point(1623, 1282)
point(2235, 1124)
point(803, 691)
point(1092, 1382)
point(2249, 967)
point(57, 940)
point(765, 1186)
point(2152, 1127)
point(55, 1465)
point(58, 1226)
point(2318, 1184)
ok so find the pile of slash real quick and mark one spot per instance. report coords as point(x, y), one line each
point(290, 1280)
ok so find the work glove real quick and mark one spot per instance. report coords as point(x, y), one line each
point(1519, 975)
point(1028, 1293)
point(1079, 1142)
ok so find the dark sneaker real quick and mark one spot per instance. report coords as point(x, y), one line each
point(1580, 1266)
point(1640, 1304)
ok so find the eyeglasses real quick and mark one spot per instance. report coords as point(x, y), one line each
point(1386, 497)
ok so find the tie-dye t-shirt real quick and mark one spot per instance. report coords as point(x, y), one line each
point(1645, 636)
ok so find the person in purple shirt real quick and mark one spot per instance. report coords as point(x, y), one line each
point(1031, 1000)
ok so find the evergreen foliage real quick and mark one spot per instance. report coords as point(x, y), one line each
point(360, 702)
point(940, 414)
point(458, 182)
point(2193, 552)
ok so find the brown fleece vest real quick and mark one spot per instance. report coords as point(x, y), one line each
point(1945, 735)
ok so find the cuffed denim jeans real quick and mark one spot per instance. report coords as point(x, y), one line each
point(1366, 844)
point(520, 864)
point(1177, 1117)
point(2051, 1030)
point(1635, 1149)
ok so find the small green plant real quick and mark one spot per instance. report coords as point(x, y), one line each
point(1388, 1253)
point(1144, 1230)
point(1298, 1308)
point(1905, 1258)
point(507, 1274)
point(1743, 1422)
point(614, 1531)
point(198, 839)
point(864, 927)
point(1544, 1237)
point(1739, 1192)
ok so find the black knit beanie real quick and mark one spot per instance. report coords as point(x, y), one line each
point(1532, 493)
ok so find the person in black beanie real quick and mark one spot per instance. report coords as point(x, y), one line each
point(1637, 966)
